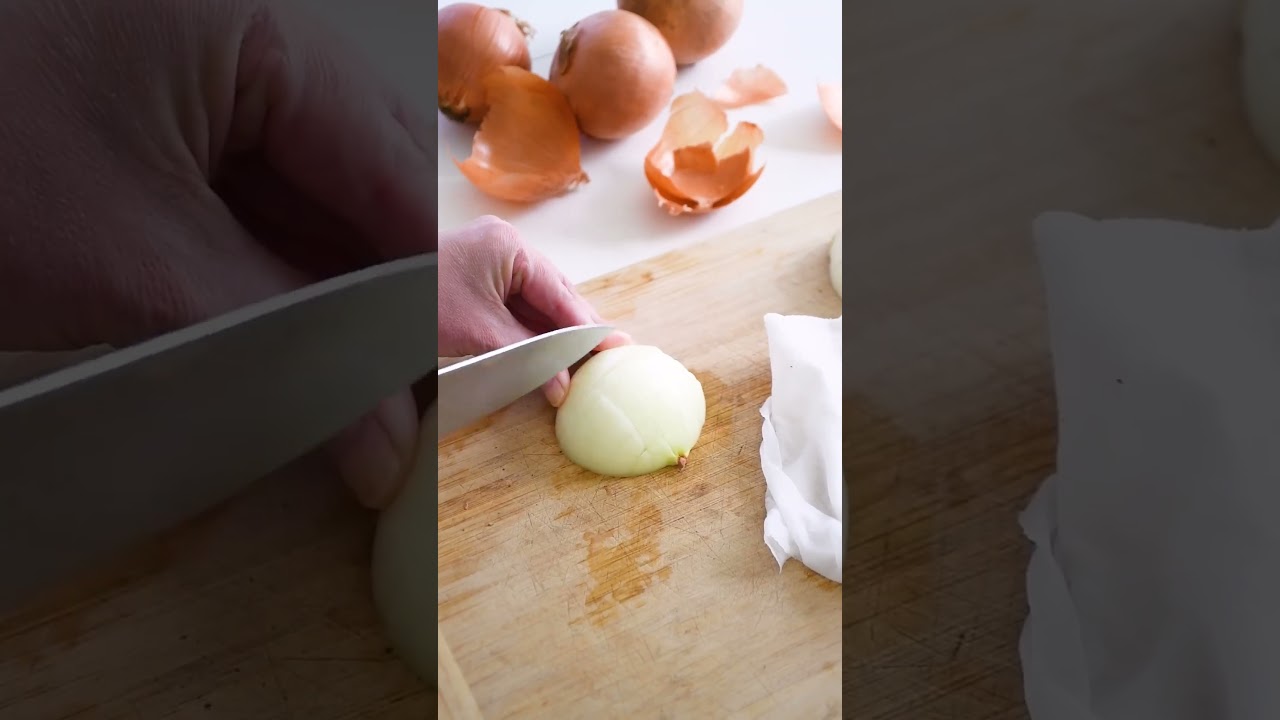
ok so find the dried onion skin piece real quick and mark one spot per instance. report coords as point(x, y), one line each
point(695, 167)
point(528, 147)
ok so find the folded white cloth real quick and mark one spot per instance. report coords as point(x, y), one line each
point(801, 449)
point(1154, 585)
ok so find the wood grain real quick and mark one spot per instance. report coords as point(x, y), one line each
point(565, 594)
point(971, 118)
point(260, 609)
point(454, 700)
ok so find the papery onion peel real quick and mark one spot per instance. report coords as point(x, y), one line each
point(693, 28)
point(695, 167)
point(750, 86)
point(473, 41)
point(830, 95)
point(528, 147)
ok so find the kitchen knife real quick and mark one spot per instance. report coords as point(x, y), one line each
point(126, 444)
point(478, 386)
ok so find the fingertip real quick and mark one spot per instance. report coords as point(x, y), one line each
point(374, 454)
point(557, 388)
point(615, 339)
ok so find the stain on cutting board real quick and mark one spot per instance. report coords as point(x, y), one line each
point(623, 563)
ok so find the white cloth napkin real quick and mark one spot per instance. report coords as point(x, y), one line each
point(1154, 584)
point(801, 449)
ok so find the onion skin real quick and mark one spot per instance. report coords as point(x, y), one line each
point(750, 86)
point(528, 147)
point(475, 41)
point(697, 164)
point(617, 72)
point(694, 29)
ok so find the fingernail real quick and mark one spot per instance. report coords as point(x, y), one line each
point(556, 391)
point(374, 455)
point(617, 338)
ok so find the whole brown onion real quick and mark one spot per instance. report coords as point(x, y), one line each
point(617, 72)
point(474, 41)
point(693, 28)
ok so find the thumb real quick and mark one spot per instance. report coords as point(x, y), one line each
point(374, 454)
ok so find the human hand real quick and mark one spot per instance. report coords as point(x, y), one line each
point(496, 290)
point(166, 162)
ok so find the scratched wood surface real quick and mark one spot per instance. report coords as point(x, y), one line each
point(972, 118)
point(259, 609)
point(453, 696)
point(564, 594)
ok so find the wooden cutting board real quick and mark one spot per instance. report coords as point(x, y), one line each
point(258, 610)
point(453, 696)
point(564, 594)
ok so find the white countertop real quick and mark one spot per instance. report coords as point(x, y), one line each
point(614, 220)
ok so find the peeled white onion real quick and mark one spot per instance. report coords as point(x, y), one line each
point(1260, 71)
point(405, 584)
point(631, 410)
point(835, 254)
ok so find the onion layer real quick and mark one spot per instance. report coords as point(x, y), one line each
point(528, 148)
point(631, 410)
point(695, 168)
point(473, 41)
point(617, 72)
point(693, 28)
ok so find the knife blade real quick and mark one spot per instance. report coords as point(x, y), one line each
point(483, 384)
point(126, 444)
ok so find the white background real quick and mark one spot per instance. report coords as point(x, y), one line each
point(614, 221)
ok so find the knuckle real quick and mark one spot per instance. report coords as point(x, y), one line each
point(493, 230)
point(494, 225)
